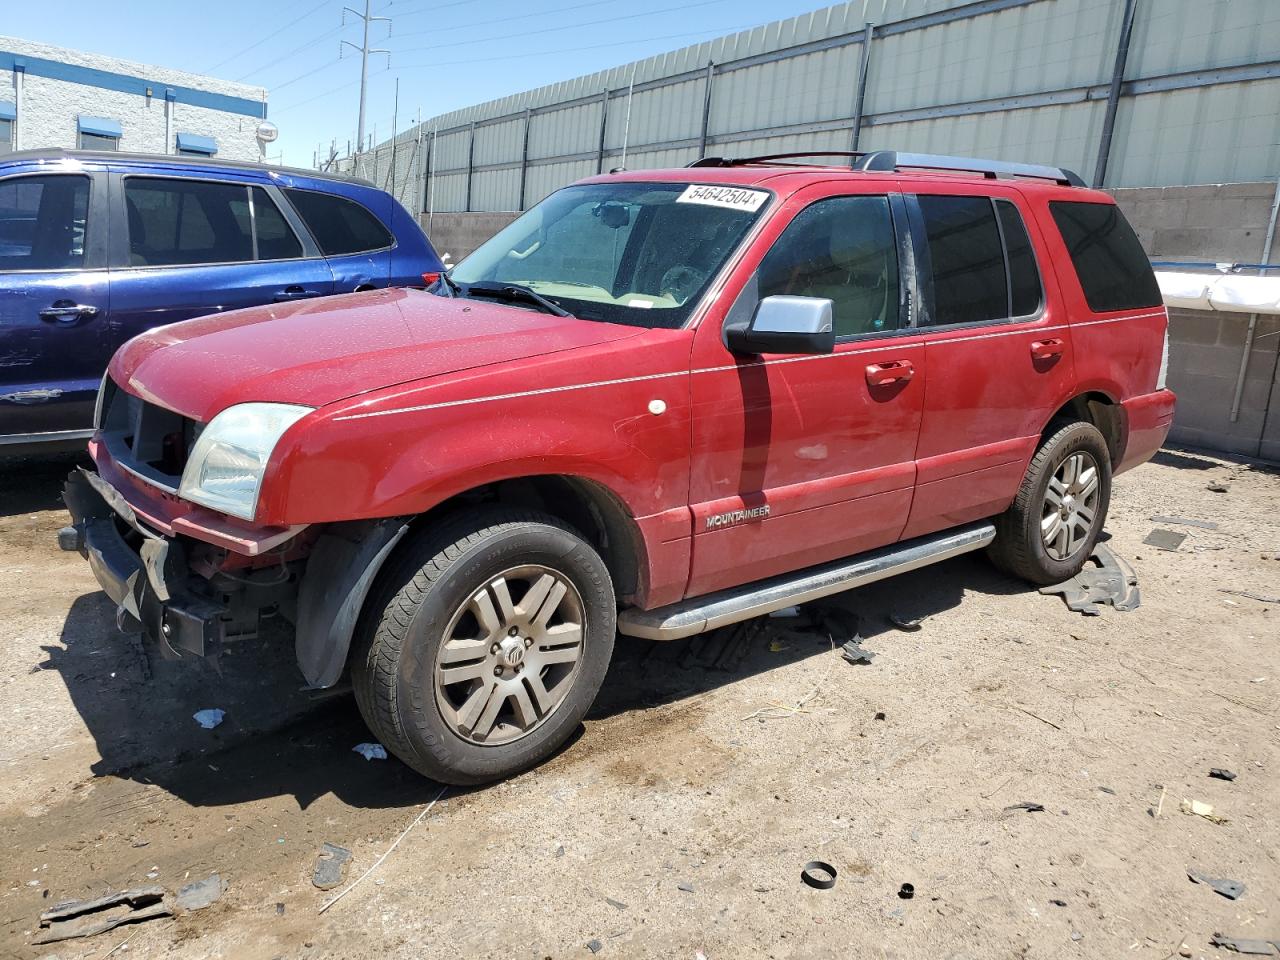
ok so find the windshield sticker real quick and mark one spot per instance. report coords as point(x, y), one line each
point(641, 304)
point(735, 198)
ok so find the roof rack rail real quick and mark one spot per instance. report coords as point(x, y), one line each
point(891, 161)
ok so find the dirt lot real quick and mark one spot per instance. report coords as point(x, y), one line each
point(679, 820)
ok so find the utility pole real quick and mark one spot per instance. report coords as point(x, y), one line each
point(366, 18)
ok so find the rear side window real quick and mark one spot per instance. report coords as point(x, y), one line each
point(1114, 272)
point(969, 280)
point(339, 225)
point(42, 222)
point(184, 222)
point(187, 222)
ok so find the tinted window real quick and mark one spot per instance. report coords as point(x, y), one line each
point(1113, 269)
point(338, 224)
point(187, 222)
point(42, 222)
point(1024, 275)
point(276, 240)
point(969, 283)
point(842, 249)
point(6, 136)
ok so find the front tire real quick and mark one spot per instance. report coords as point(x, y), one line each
point(1048, 533)
point(485, 644)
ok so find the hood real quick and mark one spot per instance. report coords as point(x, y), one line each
point(319, 351)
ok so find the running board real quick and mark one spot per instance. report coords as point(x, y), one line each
point(699, 614)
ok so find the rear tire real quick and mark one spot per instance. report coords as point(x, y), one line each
point(1049, 531)
point(484, 645)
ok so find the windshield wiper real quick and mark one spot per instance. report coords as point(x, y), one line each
point(515, 291)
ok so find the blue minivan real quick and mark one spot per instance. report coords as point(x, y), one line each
point(98, 247)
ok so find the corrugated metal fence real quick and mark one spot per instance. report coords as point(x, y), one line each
point(1193, 96)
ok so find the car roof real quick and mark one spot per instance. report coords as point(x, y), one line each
point(57, 154)
point(784, 172)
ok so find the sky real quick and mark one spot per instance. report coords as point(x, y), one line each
point(447, 54)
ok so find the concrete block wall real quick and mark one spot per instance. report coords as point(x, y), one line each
point(48, 108)
point(1218, 222)
point(457, 234)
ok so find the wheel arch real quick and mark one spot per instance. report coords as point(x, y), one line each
point(1102, 411)
point(348, 559)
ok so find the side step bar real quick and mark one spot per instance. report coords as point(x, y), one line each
point(699, 614)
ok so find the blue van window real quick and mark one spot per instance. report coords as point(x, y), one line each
point(42, 222)
point(340, 226)
point(276, 239)
point(187, 222)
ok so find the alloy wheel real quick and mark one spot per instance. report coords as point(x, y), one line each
point(1070, 506)
point(505, 665)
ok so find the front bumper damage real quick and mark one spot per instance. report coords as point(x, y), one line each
point(191, 596)
point(144, 573)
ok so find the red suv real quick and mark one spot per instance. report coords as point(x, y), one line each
point(657, 403)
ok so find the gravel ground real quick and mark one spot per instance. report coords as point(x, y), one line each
point(680, 818)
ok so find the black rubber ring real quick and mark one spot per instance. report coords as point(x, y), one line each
point(818, 883)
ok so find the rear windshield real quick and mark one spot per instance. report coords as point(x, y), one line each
point(1113, 269)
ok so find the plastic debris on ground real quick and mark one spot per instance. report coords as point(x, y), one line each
point(1252, 595)
point(201, 893)
point(1028, 806)
point(87, 918)
point(1199, 808)
point(1231, 889)
point(1219, 774)
point(331, 864)
point(785, 613)
point(370, 751)
point(1162, 539)
point(209, 718)
point(1262, 948)
point(1105, 580)
point(595, 946)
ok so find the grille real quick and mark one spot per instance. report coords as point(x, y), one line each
point(146, 438)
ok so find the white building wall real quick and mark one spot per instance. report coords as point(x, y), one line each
point(49, 108)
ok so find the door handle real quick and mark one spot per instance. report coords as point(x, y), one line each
point(67, 312)
point(895, 371)
point(294, 292)
point(1047, 349)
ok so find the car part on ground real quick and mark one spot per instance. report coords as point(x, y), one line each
point(1104, 580)
point(819, 875)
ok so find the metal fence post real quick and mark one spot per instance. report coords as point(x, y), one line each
point(706, 108)
point(604, 121)
point(1113, 95)
point(524, 157)
point(471, 162)
point(868, 33)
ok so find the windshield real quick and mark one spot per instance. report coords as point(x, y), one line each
point(633, 253)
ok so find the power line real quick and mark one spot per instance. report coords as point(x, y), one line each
point(571, 26)
point(275, 33)
point(485, 23)
point(282, 58)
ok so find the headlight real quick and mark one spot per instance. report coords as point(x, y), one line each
point(228, 460)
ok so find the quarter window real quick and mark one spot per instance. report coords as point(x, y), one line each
point(340, 226)
point(1114, 272)
point(42, 222)
point(187, 222)
point(842, 249)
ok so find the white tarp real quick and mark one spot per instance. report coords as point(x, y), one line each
point(1226, 292)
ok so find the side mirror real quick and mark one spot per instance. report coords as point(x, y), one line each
point(784, 324)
